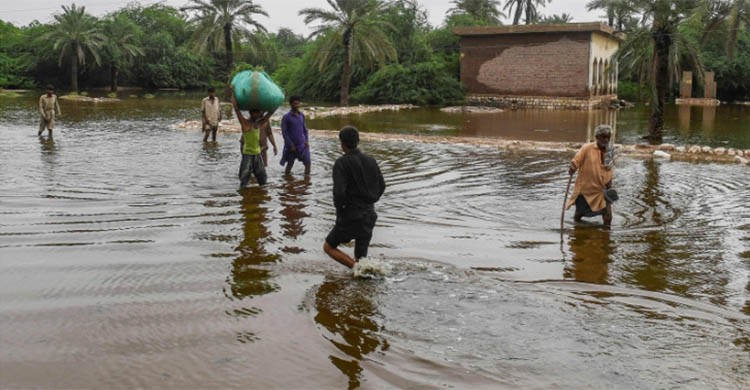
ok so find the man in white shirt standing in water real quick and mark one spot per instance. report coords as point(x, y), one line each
point(211, 112)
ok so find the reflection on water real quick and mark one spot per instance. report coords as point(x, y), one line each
point(249, 277)
point(347, 309)
point(537, 125)
point(648, 268)
point(49, 150)
point(683, 115)
point(292, 200)
point(591, 247)
point(714, 126)
point(211, 151)
point(48, 145)
point(709, 120)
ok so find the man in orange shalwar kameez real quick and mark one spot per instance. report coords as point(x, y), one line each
point(592, 194)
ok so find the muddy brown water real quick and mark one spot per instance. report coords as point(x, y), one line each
point(128, 258)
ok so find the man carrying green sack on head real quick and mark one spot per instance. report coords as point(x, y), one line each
point(252, 162)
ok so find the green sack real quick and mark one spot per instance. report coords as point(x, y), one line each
point(256, 91)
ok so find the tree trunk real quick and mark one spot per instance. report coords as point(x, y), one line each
point(517, 16)
point(662, 43)
point(74, 71)
point(228, 47)
point(113, 75)
point(528, 14)
point(734, 26)
point(346, 71)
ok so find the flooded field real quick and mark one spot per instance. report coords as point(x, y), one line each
point(129, 258)
point(713, 126)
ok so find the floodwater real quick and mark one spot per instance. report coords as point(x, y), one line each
point(685, 125)
point(129, 258)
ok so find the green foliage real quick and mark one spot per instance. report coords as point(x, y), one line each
point(12, 66)
point(301, 76)
point(409, 31)
point(270, 50)
point(629, 91)
point(396, 55)
point(76, 36)
point(359, 30)
point(732, 75)
point(528, 9)
point(555, 19)
point(159, 18)
point(426, 83)
point(221, 25)
point(484, 11)
point(241, 67)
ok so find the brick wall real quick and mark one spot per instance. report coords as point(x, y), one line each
point(526, 64)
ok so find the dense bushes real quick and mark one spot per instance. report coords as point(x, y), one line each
point(12, 65)
point(425, 83)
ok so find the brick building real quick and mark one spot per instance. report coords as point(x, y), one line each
point(544, 65)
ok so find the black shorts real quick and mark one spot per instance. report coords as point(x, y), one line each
point(357, 226)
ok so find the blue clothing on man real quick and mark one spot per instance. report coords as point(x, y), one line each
point(295, 133)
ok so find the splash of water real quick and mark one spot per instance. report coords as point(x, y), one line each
point(371, 268)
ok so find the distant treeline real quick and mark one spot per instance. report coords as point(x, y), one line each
point(377, 51)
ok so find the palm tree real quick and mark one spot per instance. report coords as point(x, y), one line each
point(556, 19)
point(739, 13)
point(122, 45)
point(529, 8)
point(355, 27)
point(224, 21)
point(712, 15)
point(618, 11)
point(655, 50)
point(74, 34)
point(483, 10)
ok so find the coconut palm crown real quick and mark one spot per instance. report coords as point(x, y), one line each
point(483, 10)
point(75, 34)
point(356, 28)
point(224, 22)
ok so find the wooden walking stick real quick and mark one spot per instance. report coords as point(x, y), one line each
point(562, 216)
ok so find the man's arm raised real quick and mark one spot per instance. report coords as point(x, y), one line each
point(244, 124)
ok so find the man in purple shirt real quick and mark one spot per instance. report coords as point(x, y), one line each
point(296, 140)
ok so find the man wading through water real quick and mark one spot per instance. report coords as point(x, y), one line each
point(296, 140)
point(357, 185)
point(252, 163)
point(211, 112)
point(48, 107)
point(593, 194)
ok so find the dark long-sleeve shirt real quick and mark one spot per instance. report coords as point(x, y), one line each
point(357, 182)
